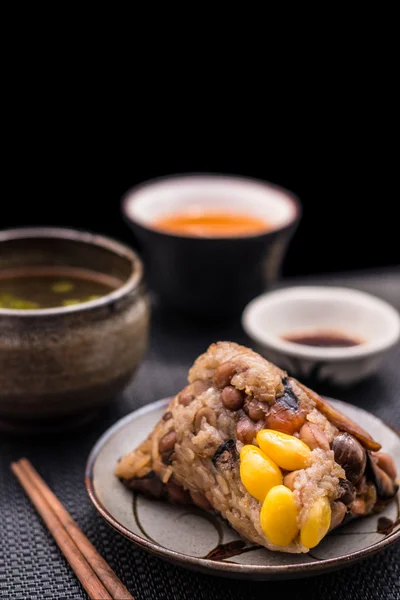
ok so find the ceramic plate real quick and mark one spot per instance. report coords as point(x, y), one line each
point(195, 539)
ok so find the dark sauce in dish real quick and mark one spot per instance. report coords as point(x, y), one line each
point(323, 339)
point(51, 287)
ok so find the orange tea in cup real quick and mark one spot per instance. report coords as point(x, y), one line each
point(212, 224)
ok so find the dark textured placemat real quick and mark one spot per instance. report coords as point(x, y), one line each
point(31, 567)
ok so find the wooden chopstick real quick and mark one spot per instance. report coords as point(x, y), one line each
point(79, 564)
point(95, 575)
point(96, 561)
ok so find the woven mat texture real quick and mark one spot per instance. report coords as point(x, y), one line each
point(31, 566)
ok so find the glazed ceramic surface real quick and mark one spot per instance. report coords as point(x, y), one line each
point(66, 361)
point(195, 539)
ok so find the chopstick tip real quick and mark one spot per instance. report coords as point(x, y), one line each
point(17, 463)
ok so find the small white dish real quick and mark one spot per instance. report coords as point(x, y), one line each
point(307, 310)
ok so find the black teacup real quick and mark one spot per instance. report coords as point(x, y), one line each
point(211, 275)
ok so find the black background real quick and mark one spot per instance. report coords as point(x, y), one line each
point(66, 172)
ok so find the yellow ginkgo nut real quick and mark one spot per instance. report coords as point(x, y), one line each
point(317, 523)
point(258, 472)
point(278, 517)
point(287, 451)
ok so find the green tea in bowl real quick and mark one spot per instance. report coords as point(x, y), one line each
point(52, 287)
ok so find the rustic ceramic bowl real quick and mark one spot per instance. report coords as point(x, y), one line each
point(64, 362)
point(211, 276)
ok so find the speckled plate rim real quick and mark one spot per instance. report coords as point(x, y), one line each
point(222, 568)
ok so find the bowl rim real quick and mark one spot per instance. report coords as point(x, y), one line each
point(290, 196)
point(75, 235)
point(252, 313)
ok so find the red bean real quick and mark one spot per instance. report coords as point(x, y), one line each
point(232, 398)
point(167, 442)
point(247, 430)
point(186, 396)
point(255, 409)
point(224, 374)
